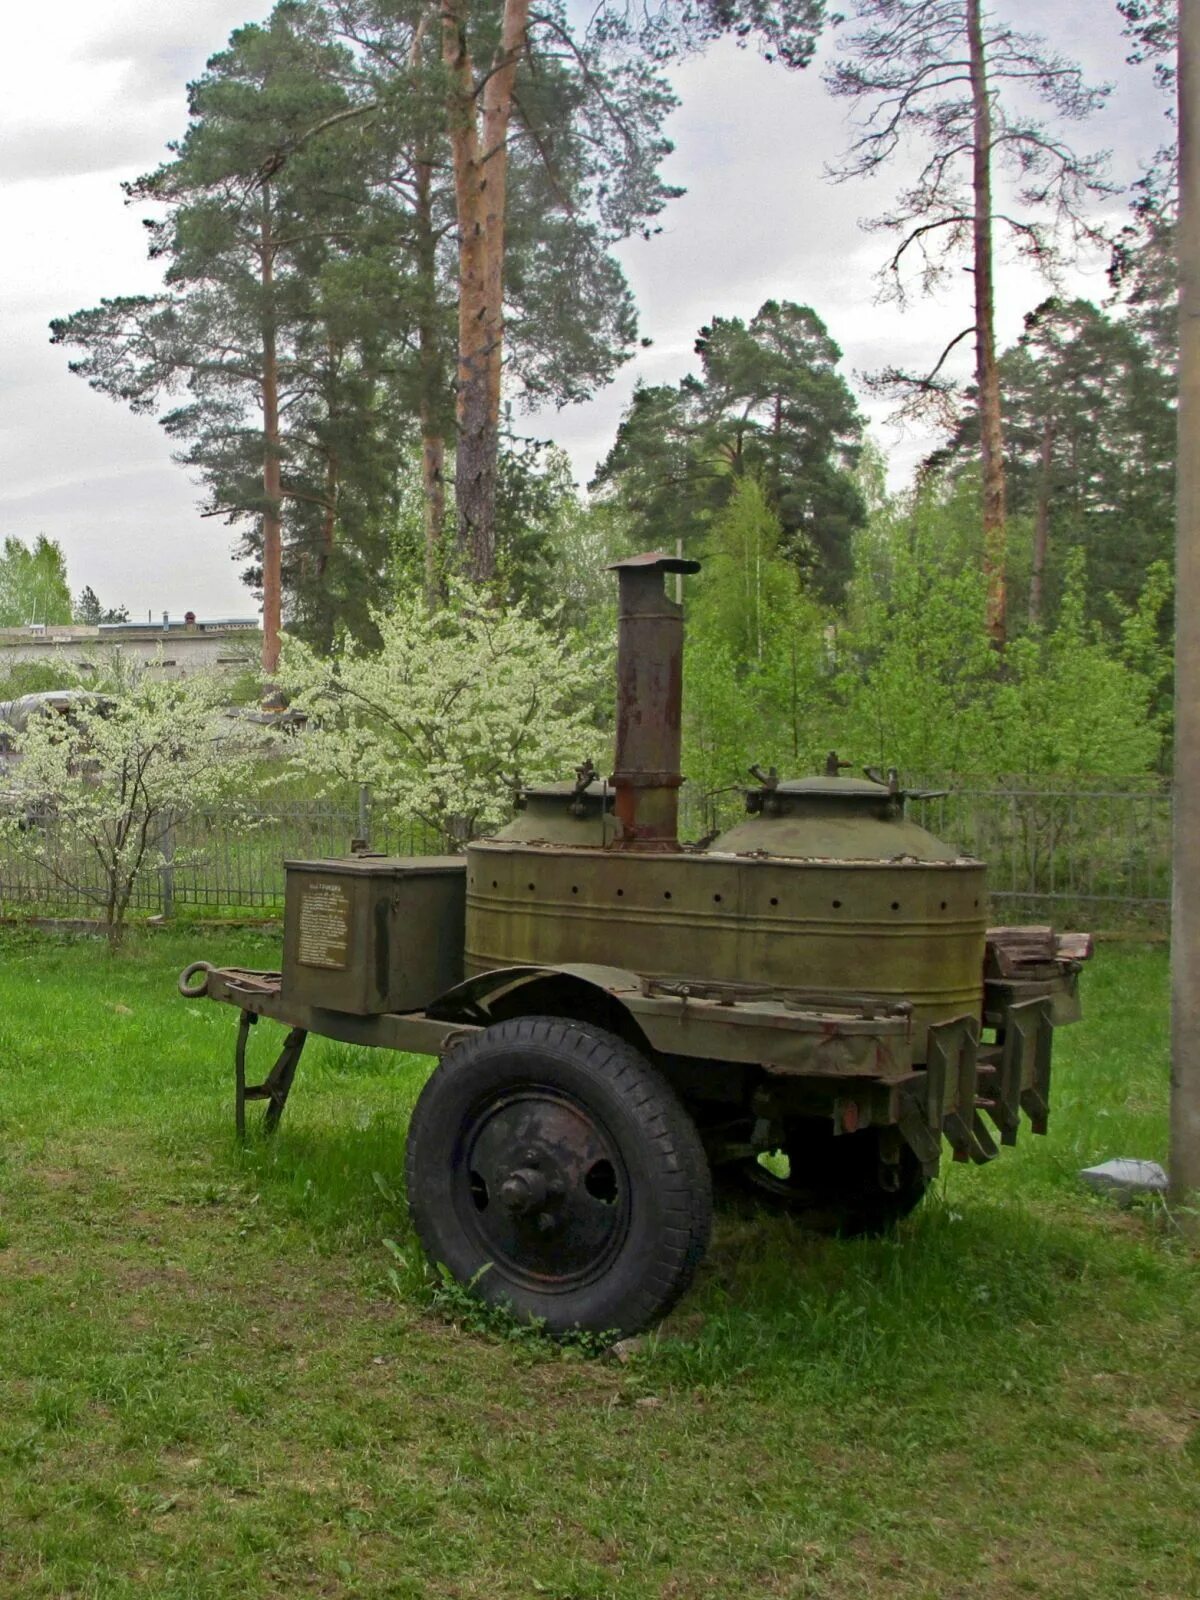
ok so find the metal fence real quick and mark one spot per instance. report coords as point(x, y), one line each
point(210, 859)
point(218, 865)
point(1096, 856)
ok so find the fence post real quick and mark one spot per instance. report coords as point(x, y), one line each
point(167, 871)
point(364, 814)
point(1184, 1162)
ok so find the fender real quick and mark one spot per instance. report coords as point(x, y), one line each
point(586, 991)
point(824, 1039)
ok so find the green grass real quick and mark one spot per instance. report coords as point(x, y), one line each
point(217, 1379)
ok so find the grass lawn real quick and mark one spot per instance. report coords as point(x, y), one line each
point(218, 1379)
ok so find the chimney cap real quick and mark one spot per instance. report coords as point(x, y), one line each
point(655, 561)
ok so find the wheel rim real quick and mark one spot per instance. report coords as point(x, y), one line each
point(834, 1189)
point(779, 1175)
point(541, 1186)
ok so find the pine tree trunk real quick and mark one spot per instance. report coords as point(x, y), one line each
point(1041, 525)
point(433, 483)
point(323, 606)
point(332, 474)
point(272, 524)
point(433, 441)
point(987, 377)
point(328, 514)
point(479, 149)
point(777, 452)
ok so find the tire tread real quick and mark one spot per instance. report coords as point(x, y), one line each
point(676, 1154)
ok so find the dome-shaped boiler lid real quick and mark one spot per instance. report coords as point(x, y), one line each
point(831, 817)
point(568, 813)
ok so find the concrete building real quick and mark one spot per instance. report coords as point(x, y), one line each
point(176, 648)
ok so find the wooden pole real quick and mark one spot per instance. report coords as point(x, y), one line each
point(1185, 907)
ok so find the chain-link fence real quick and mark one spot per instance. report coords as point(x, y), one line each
point(1096, 855)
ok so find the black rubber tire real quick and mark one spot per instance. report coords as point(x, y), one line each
point(661, 1185)
point(832, 1185)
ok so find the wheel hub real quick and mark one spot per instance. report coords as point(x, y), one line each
point(524, 1191)
point(543, 1187)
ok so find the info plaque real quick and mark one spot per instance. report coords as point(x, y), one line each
point(324, 926)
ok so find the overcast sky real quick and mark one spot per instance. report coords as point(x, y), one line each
point(90, 92)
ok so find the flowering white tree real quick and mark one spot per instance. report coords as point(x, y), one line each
point(459, 707)
point(92, 792)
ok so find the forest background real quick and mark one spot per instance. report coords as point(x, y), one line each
point(1007, 614)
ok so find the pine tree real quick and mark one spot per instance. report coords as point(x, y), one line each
point(263, 193)
point(531, 153)
point(88, 610)
point(955, 77)
point(1089, 452)
point(769, 404)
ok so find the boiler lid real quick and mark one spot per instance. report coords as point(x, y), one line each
point(593, 794)
point(835, 788)
point(830, 817)
point(577, 814)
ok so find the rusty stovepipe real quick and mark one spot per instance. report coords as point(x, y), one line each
point(649, 702)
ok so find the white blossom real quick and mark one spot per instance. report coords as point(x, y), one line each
point(458, 708)
point(91, 794)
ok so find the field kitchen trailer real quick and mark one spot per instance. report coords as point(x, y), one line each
point(807, 1006)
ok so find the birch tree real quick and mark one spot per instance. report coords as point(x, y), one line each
point(960, 81)
point(33, 583)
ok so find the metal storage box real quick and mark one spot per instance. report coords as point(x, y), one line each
point(373, 933)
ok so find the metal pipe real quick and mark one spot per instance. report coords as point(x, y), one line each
point(646, 778)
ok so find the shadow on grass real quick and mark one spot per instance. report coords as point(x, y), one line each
point(949, 1290)
point(984, 1292)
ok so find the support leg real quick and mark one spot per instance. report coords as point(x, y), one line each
point(279, 1084)
point(275, 1087)
point(247, 1021)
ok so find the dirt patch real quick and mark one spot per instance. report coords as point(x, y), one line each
point(57, 1177)
point(1174, 1429)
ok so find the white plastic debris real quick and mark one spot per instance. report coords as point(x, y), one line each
point(1124, 1175)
